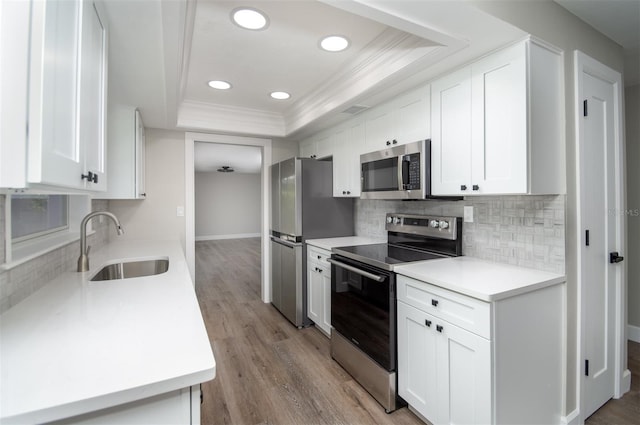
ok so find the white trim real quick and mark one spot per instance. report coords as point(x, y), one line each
point(572, 418)
point(190, 239)
point(633, 333)
point(586, 64)
point(233, 236)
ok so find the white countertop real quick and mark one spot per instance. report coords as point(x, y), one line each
point(77, 346)
point(480, 279)
point(330, 243)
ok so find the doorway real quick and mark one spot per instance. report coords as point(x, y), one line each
point(601, 226)
point(265, 146)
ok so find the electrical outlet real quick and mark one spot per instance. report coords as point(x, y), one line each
point(180, 211)
point(468, 214)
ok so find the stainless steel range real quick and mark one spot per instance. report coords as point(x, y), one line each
point(363, 297)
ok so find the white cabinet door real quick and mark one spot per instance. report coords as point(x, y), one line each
point(54, 154)
point(66, 146)
point(14, 73)
point(315, 296)
point(140, 191)
point(417, 360)
point(380, 129)
point(93, 97)
point(463, 376)
point(499, 122)
point(348, 144)
point(413, 116)
point(326, 293)
point(451, 134)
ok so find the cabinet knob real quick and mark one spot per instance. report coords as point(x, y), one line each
point(344, 192)
point(476, 187)
point(143, 195)
point(319, 257)
point(439, 328)
point(463, 187)
point(395, 142)
point(428, 323)
point(388, 143)
point(319, 270)
point(348, 192)
point(434, 303)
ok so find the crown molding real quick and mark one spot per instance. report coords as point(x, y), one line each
point(229, 119)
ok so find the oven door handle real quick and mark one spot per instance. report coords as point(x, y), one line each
point(356, 270)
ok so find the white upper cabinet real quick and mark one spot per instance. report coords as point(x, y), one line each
point(451, 137)
point(497, 125)
point(405, 119)
point(14, 50)
point(317, 147)
point(348, 144)
point(126, 153)
point(65, 147)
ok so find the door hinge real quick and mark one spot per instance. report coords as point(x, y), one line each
point(586, 237)
point(584, 108)
point(586, 367)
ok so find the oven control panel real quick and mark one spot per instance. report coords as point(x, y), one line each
point(433, 226)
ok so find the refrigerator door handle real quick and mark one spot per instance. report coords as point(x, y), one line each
point(285, 243)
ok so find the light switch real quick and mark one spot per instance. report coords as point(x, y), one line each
point(468, 214)
point(180, 211)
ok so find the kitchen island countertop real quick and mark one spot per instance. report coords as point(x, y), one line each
point(76, 346)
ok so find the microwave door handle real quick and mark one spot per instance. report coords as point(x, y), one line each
point(356, 270)
point(403, 172)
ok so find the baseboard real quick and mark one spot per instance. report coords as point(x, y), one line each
point(633, 333)
point(234, 236)
point(572, 418)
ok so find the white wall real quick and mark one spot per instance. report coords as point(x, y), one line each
point(227, 205)
point(155, 217)
point(632, 98)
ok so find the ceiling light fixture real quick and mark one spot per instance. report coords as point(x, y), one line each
point(334, 43)
point(280, 95)
point(248, 18)
point(226, 169)
point(219, 85)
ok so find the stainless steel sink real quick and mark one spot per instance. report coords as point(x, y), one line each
point(129, 269)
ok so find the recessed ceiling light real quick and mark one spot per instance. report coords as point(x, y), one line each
point(280, 95)
point(248, 18)
point(219, 84)
point(334, 43)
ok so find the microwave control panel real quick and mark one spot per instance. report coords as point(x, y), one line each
point(411, 171)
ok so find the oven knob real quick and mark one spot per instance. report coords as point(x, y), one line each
point(389, 220)
point(434, 223)
point(396, 220)
point(444, 224)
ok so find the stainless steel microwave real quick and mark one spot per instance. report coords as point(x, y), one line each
point(399, 172)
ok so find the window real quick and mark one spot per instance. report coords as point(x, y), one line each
point(38, 215)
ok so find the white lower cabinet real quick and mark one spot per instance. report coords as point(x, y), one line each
point(319, 288)
point(466, 361)
point(175, 407)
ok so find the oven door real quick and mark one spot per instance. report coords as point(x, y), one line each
point(363, 308)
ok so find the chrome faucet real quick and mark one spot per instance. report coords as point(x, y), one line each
point(83, 261)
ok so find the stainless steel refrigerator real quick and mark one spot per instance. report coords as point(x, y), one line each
point(302, 207)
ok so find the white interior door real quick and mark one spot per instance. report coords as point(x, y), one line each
point(602, 222)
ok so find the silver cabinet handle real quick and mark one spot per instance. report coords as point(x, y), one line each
point(357, 270)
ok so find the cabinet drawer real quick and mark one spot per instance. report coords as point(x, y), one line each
point(468, 313)
point(318, 255)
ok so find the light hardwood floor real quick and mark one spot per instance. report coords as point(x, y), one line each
point(269, 372)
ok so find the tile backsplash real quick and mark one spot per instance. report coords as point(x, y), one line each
point(21, 281)
point(527, 231)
